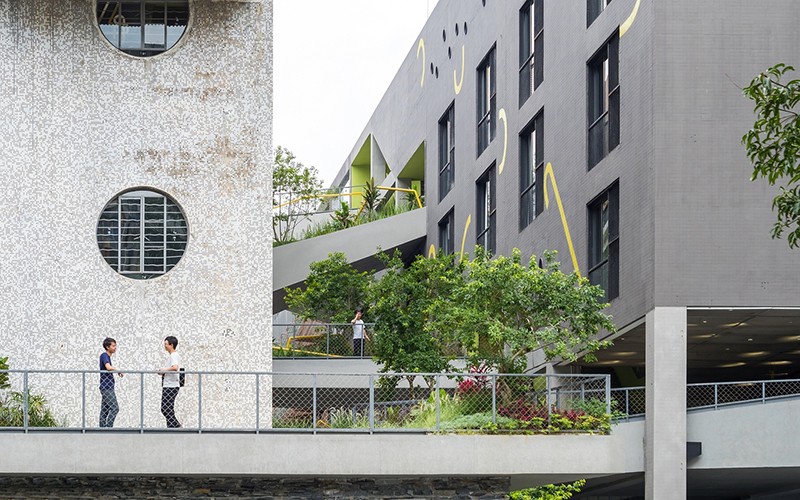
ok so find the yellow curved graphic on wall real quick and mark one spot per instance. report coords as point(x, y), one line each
point(456, 82)
point(501, 115)
point(421, 46)
point(432, 252)
point(464, 238)
point(624, 27)
point(548, 172)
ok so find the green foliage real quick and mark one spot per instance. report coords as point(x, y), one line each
point(4, 376)
point(549, 492)
point(334, 289)
point(292, 181)
point(401, 309)
point(423, 415)
point(773, 144)
point(12, 411)
point(334, 225)
point(12, 405)
point(342, 219)
point(343, 418)
point(502, 310)
point(370, 195)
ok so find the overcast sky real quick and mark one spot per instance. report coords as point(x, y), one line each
point(333, 62)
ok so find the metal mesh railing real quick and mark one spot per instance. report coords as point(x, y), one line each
point(630, 402)
point(306, 402)
point(315, 339)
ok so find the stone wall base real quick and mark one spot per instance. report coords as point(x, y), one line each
point(86, 487)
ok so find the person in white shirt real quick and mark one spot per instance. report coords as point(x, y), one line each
point(359, 334)
point(170, 383)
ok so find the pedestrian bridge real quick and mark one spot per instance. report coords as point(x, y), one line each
point(744, 445)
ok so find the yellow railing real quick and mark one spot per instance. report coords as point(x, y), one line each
point(354, 193)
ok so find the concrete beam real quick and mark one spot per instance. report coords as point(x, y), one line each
point(526, 459)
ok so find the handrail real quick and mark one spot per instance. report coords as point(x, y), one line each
point(274, 401)
point(403, 190)
point(719, 394)
point(350, 194)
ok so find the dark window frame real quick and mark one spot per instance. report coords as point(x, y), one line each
point(593, 10)
point(486, 209)
point(447, 151)
point(603, 247)
point(603, 101)
point(486, 97)
point(447, 233)
point(111, 16)
point(531, 43)
point(531, 170)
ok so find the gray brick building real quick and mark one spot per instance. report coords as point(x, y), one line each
point(610, 132)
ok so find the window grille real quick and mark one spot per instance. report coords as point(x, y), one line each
point(142, 234)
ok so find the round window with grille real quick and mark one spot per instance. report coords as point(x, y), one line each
point(142, 234)
point(143, 28)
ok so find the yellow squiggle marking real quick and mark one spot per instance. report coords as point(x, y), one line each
point(421, 46)
point(432, 252)
point(548, 171)
point(627, 24)
point(464, 238)
point(457, 84)
point(502, 116)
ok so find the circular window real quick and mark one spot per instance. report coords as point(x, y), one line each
point(142, 234)
point(143, 28)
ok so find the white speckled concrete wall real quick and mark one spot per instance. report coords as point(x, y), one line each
point(82, 122)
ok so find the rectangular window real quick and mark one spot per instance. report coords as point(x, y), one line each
point(487, 209)
point(531, 43)
point(593, 9)
point(447, 151)
point(447, 233)
point(531, 171)
point(487, 101)
point(603, 101)
point(604, 241)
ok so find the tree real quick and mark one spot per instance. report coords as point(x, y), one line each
point(549, 492)
point(295, 188)
point(401, 309)
point(773, 144)
point(334, 289)
point(504, 310)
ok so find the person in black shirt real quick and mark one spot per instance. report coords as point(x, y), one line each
point(108, 406)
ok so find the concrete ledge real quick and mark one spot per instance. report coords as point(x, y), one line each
point(528, 459)
point(291, 261)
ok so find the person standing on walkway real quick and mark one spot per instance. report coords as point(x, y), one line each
point(108, 405)
point(170, 382)
point(359, 334)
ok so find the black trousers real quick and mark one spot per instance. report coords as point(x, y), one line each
point(168, 395)
point(358, 347)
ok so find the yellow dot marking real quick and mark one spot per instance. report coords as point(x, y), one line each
point(421, 46)
point(548, 172)
point(502, 116)
point(456, 82)
point(627, 24)
point(464, 238)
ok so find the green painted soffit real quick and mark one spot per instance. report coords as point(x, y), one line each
point(415, 167)
point(363, 156)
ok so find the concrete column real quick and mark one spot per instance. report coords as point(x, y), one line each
point(665, 422)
